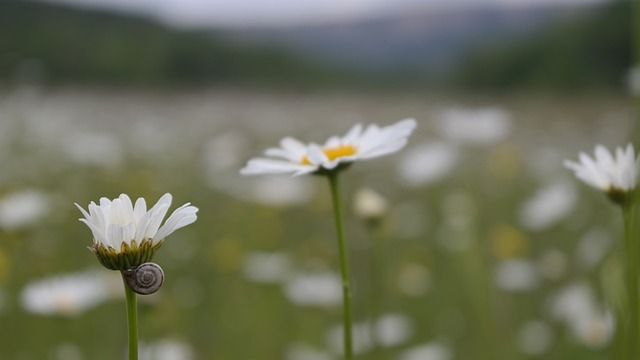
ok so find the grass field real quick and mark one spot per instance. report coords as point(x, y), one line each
point(490, 249)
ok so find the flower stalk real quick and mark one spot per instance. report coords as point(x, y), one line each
point(632, 269)
point(132, 320)
point(344, 263)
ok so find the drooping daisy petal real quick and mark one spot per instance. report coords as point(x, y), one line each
point(357, 144)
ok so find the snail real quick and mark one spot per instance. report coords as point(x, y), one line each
point(144, 279)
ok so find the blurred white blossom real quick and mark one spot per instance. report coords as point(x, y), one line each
point(481, 126)
point(428, 163)
point(429, 351)
point(393, 329)
point(361, 338)
point(67, 295)
point(590, 323)
point(516, 275)
point(320, 289)
point(369, 205)
point(265, 267)
point(390, 329)
point(548, 206)
point(301, 351)
point(86, 148)
point(166, 349)
point(23, 208)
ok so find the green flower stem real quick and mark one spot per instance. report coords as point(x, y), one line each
point(632, 268)
point(344, 263)
point(132, 321)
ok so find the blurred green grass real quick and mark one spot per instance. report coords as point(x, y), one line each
point(209, 304)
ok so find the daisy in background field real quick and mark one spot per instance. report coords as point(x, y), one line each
point(328, 160)
point(616, 175)
point(358, 143)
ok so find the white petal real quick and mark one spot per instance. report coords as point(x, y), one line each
point(293, 146)
point(98, 234)
point(139, 210)
point(181, 217)
point(259, 166)
point(316, 156)
point(155, 219)
point(353, 134)
point(84, 213)
point(115, 236)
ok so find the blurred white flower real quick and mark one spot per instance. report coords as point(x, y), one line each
point(428, 163)
point(120, 228)
point(263, 267)
point(590, 323)
point(361, 338)
point(369, 205)
point(613, 175)
point(429, 351)
point(393, 329)
point(94, 148)
point(232, 144)
point(23, 208)
point(166, 349)
point(279, 191)
point(633, 80)
point(322, 289)
point(548, 206)
point(358, 144)
point(535, 338)
point(67, 295)
point(516, 275)
point(306, 352)
point(483, 126)
point(389, 330)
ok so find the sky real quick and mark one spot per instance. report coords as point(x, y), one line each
point(253, 13)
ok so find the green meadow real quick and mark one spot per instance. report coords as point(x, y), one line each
point(489, 249)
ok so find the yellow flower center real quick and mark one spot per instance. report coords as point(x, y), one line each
point(333, 153)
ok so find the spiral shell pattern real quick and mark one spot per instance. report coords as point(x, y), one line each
point(145, 279)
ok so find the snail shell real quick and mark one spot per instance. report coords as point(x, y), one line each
point(144, 279)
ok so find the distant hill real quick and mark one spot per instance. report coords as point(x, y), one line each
point(58, 44)
point(472, 48)
point(489, 48)
point(424, 41)
point(589, 53)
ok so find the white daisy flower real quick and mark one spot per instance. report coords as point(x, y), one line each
point(359, 143)
point(617, 176)
point(125, 236)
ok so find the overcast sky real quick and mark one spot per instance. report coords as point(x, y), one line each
point(219, 13)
